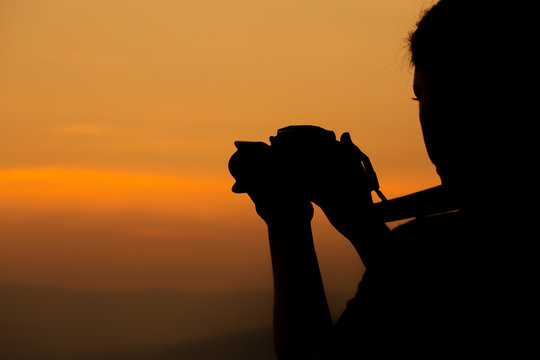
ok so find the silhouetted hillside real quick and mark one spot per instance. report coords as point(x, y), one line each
point(51, 323)
point(256, 344)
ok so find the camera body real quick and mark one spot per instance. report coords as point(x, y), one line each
point(301, 159)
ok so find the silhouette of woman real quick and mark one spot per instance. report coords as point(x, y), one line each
point(438, 285)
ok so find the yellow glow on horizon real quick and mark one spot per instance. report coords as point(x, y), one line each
point(50, 188)
point(43, 188)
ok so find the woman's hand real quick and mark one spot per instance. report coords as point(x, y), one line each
point(344, 193)
point(276, 205)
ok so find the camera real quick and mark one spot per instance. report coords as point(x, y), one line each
point(303, 159)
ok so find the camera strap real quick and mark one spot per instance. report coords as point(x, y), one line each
point(373, 182)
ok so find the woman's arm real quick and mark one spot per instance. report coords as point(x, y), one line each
point(362, 226)
point(347, 203)
point(302, 320)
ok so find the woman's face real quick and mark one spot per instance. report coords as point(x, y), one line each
point(438, 122)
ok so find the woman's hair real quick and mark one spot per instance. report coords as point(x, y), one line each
point(454, 36)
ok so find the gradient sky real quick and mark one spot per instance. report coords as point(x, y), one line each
point(118, 119)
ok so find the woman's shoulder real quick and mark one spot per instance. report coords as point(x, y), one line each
point(433, 242)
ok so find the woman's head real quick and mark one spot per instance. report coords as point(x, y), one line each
point(458, 68)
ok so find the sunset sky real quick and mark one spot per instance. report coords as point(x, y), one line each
point(118, 119)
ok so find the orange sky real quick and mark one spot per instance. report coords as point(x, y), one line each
point(118, 119)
